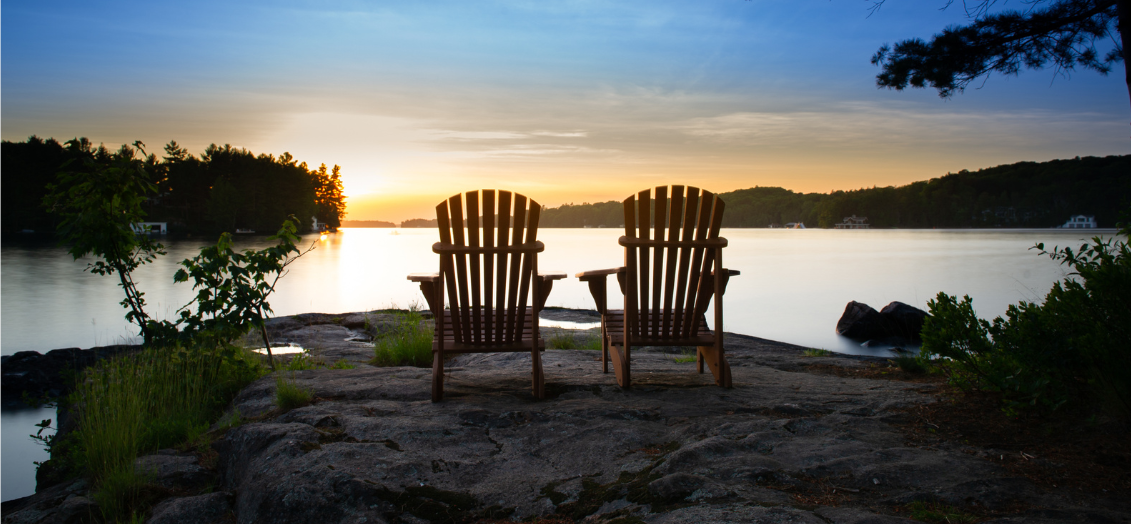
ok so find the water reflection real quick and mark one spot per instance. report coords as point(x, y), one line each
point(18, 452)
point(281, 350)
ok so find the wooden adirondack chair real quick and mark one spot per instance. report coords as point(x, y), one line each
point(673, 266)
point(489, 266)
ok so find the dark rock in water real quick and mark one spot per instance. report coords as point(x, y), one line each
point(896, 324)
point(905, 321)
point(861, 322)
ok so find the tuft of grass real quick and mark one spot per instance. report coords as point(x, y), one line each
point(814, 352)
point(343, 364)
point(590, 343)
point(303, 361)
point(688, 355)
point(566, 340)
point(288, 394)
point(938, 513)
point(135, 404)
point(231, 420)
point(409, 343)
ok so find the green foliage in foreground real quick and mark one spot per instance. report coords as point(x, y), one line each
point(815, 352)
point(140, 403)
point(1073, 349)
point(409, 343)
point(910, 364)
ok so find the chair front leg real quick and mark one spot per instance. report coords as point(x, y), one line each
point(538, 382)
point(437, 297)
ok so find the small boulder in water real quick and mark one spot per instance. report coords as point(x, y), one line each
point(897, 323)
point(906, 321)
point(861, 322)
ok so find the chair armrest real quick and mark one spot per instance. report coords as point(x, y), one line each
point(586, 276)
point(551, 276)
point(424, 277)
point(597, 286)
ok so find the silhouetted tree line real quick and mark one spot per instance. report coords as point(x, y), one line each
point(1025, 194)
point(223, 189)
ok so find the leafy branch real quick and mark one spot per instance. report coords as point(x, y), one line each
point(232, 287)
point(100, 207)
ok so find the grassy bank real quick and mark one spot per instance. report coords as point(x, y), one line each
point(136, 404)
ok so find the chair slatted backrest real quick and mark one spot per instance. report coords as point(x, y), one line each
point(672, 242)
point(487, 259)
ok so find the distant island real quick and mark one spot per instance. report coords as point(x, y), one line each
point(1021, 195)
point(367, 223)
point(222, 189)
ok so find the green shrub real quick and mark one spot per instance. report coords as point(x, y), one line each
point(288, 394)
point(1071, 349)
point(409, 343)
point(910, 364)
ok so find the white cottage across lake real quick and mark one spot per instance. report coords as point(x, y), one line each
point(1081, 222)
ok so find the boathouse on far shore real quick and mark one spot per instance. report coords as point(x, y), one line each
point(853, 222)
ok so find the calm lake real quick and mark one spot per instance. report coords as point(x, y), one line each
point(793, 288)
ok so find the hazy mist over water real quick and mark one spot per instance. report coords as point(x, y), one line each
point(793, 288)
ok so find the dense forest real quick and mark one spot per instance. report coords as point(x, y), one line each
point(1025, 194)
point(223, 189)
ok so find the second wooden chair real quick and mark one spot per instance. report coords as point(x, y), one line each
point(673, 268)
point(489, 266)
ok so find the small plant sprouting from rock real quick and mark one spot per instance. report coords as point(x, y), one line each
point(688, 355)
point(289, 395)
point(563, 339)
point(815, 352)
point(408, 344)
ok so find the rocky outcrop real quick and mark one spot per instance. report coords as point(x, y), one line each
point(35, 376)
point(200, 509)
point(782, 445)
point(896, 324)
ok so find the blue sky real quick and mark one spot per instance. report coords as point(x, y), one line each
point(564, 101)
